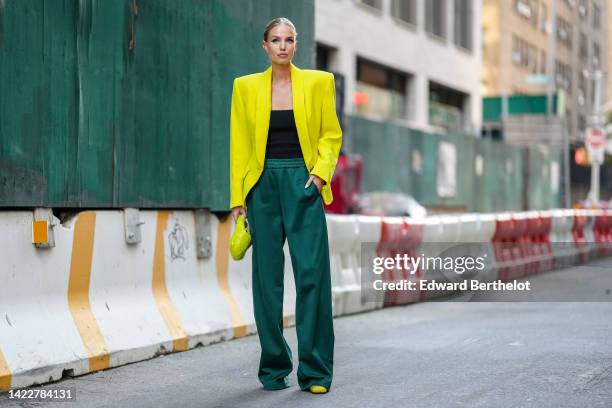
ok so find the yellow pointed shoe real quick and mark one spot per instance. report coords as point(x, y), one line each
point(318, 389)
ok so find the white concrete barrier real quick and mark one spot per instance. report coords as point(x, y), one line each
point(485, 229)
point(438, 235)
point(589, 236)
point(38, 337)
point(364, 250)
point(93, 302)
point(346, 288)
point(561, 238)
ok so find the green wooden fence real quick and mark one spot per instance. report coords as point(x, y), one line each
point(109, 104)
point(125, 103)
point(400, 159)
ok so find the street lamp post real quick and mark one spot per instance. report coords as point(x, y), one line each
point(596, 123)
point(550, 92)
point(550, 63)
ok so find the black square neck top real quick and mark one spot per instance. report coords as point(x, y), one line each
point(283, 141)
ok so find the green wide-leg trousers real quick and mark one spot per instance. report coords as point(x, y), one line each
point(279, 207)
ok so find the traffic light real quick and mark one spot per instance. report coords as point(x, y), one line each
point(581, 156)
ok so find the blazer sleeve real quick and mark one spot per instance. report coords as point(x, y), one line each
point(330, 139)
point(240, 147)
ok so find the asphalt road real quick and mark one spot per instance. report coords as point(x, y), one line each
point(433, 354)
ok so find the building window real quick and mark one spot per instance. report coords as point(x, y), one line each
point(533, 60)
point(405, 10)
point(528, 9)
point(523, 7)
point(435, 17)
point(534, 19)
point(544, 18)
point(377, 4)
point(324, 55)
point(543, 62)
point(563, 76)
point(564, 32)
point(583, 8)
point(581, 123)
point(596, 16)
point(584, 47)
point(524, 54)
point(381, 90)
point(596, 55)
point(581, 89)
point(446, 107)
point(517, 55)
point(463, 23)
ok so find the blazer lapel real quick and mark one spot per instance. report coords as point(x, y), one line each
point(299, 111)
point(262, 114)
point(264, 105)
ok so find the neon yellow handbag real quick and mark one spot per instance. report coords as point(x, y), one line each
point(241, 239)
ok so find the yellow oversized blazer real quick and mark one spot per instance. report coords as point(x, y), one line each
point(319, 133)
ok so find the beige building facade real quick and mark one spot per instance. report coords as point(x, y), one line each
point(516, 43)
point(416, 62)
point(609, 66)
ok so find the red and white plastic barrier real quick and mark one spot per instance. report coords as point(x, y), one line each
point(602, 232)
point(400, 237)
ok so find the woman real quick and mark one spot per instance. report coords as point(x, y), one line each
point(284, 144)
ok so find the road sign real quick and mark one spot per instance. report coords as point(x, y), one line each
point(595, 138)
point(536, 79)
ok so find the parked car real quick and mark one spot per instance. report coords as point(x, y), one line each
point(390, 204)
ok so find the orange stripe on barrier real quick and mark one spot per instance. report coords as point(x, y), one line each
point(5, 374)
point(78, 292)
point(160, 291)
point(222, 262)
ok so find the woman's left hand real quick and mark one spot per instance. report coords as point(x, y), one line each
point(319, 182)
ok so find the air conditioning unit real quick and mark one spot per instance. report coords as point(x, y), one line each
point(524, 9)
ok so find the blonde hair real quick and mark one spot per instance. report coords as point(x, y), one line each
point(278, 21)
